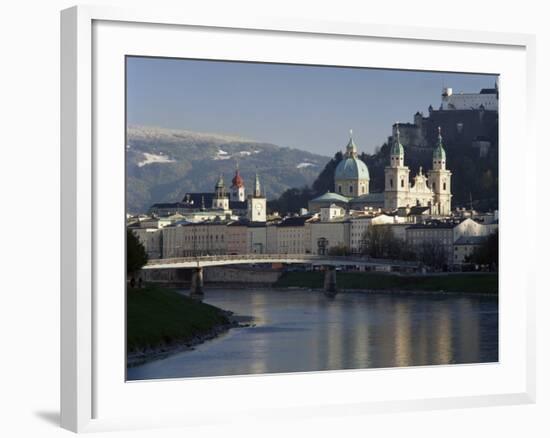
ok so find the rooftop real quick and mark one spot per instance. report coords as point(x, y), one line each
point(369, 197)
point(471, 240)
point(330, 197)
point(417, 209)
point(195, 201)
point(436, 224)
point(295, 221)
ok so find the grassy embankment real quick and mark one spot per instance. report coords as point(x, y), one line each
point(469, 283)
point(161, 317)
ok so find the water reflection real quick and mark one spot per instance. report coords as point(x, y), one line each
point(306, 331)
point(402, 335)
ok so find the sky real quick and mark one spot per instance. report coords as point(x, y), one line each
point(305, 107)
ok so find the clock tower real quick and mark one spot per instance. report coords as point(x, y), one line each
point(256, 204)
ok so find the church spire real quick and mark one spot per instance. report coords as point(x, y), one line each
point(220, 188)
point(237, 186)
point(351, 148)
point(439, 155)
point(397, 152)
point(257, 187)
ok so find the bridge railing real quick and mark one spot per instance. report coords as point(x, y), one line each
point(236, 257)
point(255, 258)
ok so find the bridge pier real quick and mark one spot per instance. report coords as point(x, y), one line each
point(197, 284)
point(330, 281)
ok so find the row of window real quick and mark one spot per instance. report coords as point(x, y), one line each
point(201, 238)
point(362, 189)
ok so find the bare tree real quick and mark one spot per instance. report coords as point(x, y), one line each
point(380, 242)
point(433, 254)
point(339, 250)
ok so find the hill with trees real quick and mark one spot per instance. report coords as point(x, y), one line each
point(474, 178)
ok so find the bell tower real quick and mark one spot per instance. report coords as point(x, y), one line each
point(237, 187)
point(396, 189)
point(220, 200)
point(439, 179)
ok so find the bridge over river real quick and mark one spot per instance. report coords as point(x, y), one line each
point(329, 262)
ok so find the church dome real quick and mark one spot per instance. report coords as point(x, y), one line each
point(439, 152)
point(219, 184)
point(237, 180)
point(351, 168)
point(397, 147)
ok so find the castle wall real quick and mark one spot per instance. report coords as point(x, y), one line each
point(462, 127)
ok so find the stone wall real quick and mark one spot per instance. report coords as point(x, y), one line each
point(178, 277)
point(227, 274)
point(221, 274)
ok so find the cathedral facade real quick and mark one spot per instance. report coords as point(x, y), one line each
point(432, 190)
point(351, 183)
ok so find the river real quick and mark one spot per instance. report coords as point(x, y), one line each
point(297, 330)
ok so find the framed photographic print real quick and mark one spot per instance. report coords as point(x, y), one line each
point(263, 208)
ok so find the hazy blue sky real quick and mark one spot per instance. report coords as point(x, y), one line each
point(310, 108)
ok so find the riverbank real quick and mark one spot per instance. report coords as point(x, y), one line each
point(485, 283)
point(161, 322)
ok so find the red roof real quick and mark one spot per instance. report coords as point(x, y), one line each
point(237, 180)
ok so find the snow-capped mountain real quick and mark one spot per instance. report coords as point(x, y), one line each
point(164, 164)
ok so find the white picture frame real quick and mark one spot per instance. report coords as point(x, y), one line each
point(92, 395)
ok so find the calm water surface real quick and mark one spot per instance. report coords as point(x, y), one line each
point(307, 331)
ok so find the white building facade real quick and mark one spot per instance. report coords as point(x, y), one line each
point(488, 99)
point(433, 190)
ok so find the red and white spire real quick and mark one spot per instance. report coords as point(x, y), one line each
point(237, 187)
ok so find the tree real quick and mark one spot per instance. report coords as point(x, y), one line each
point(487, 253)
point(433, 254)
point(339, 250)
point(380, 242)
point(293, 199)
point(136, 256)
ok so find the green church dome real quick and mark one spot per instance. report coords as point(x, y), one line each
point(351, 168)
point(219, 184)
point(439, 152)
point(397, 147)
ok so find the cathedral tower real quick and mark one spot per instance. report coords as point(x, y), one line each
point(439, 179)
point(396, 192)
